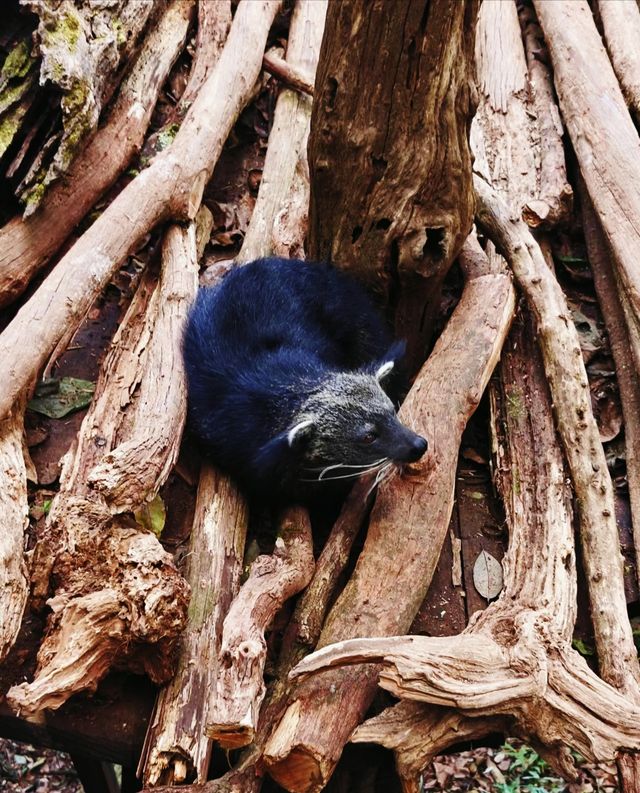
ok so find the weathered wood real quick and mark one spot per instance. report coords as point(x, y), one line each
point(604, 138)
point(83, 48)
point(170, 188)
point(175, 749)
point(578, 431)
point(27, 243)
point(621, 24)
point(617, 330)
point(391, 198)
point(395, 567)
point(114, 584)
point(239, 691)
point(290, 75)
point(278, 222)
point(14, 520)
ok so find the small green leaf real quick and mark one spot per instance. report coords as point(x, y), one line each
point(582, 647)
point(152, 515)
point(57, 398)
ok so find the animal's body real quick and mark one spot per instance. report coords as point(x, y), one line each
point(285, 362)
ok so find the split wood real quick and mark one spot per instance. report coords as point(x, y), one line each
point(396, 565)
point(171, 187)
point(26, 244)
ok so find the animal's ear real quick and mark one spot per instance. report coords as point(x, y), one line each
point(299, 433)
point(394, 354)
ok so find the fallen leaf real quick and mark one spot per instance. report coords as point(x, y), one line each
point(57, 398)
point(487, 575)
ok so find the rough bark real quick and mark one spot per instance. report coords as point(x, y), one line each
point(391, 198)
point(273, 579)
point(604, 139)
point(82, 49)
point(170, 188)
point(176, 751)
point(395, 567)
point(621, 24)
point(278, 223)
point(27, 243)
point(115, 587)
point(14, 509)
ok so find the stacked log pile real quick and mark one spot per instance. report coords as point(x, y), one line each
point(368, 164)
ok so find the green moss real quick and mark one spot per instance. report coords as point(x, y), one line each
point(515, 404)
point(8, 128)
point(17, 63)
point(121, 36)
point(165, 138)
point(35, 195)
point(63, 31)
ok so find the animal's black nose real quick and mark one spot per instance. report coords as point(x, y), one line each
point(419, 446)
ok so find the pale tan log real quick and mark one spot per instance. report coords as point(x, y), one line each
point(621, 24)
point(240, 689)
point(27, 243)
point(578, 431)
point(277, 198)
point(175, 751)
point(14, 520)
point(395, 567)
point(116, 586)
point(170, 188)
point(291, 75)
point(604, 138)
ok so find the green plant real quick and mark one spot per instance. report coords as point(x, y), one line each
point(527, 772)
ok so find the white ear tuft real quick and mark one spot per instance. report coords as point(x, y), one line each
point(299, 428)
point(384, 370)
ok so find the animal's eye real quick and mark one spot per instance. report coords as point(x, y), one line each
point(369, 436)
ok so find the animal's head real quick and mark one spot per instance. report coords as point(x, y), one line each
point(349, 426)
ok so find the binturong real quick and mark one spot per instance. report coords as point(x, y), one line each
point(289, 370)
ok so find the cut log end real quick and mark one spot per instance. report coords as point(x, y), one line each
point(230, 736)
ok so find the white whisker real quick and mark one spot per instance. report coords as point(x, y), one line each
point(370, 469)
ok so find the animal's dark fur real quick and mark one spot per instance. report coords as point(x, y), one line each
point(283, 361)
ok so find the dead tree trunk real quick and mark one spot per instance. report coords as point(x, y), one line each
point(391, 198)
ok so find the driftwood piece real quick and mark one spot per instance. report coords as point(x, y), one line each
point(273, 579)
point(175, 750)
point(395, 567)
point(389, 202)
point(604, 138)
point(82, 49)
point(617, 330)
point(578, 431)
point(621, 24)
point(278, 222)
point(14, 509)
point(116, 589)
point(289, 74)
point(27, 243)
point(170, 188)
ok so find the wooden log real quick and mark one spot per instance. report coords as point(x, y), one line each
point(617, 330)
point(395, 567)
point(280, 208)
point(621, 25)
point(175, 750)
point(605, 140)
point(580, 439)
point(27, 243)
point(14, 509)
point(83, 49)
point(239, 691)
point(170, 188)
point(288, 74)
point(389, 202)
point(115, 587)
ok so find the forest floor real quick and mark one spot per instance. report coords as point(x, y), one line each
point(511, 768)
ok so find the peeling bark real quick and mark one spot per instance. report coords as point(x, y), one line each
point(27, 243)
point(170, 188)
point(176, 751)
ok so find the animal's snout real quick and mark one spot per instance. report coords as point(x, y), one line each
point(418, 447)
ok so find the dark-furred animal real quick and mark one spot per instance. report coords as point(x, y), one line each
point(285, 363)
